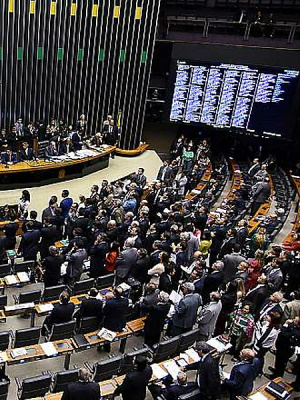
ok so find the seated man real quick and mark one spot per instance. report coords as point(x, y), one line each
point(91, 307)
point(26, 153)
point(51, 150)
point(62, 312)
point(172, 392)
point(9, 157)
point(85, 388)
point(66, 146)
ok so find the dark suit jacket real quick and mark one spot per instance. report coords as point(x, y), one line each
point(157, 315)
point(52, 265)
point(168, 173)
point(23, 156)
point(242, 377)
point(208, 376)
point(60, 313)
point(81, 391)
point(114, 313)
point(30, 244)
point(63, 148)
point(134, 385)
point(98, 254)
point(257, 296)
point(49, 152)
point(125, 261)
point(5, 158)
point(91, 307)
point(211, 284)
point(172, 392)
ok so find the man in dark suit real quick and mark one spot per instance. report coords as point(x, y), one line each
point(32, 217)
point(139, 178)
point(208, 376)
point(115, 310)
point(255, 167)
point(75, 258)
point(29, 245)
point(172, 392)
point(66, 147)
point(135, 383)
point(126, 260)
point(258, 294)
point(66, 203)
point(165, 173)
point(213, 280)
point(62, 312)
point(110, 133)
point(229, 242)
point(83, 389)
point(91, 307)
point(261, 193)
point(272, 304)
point(26, 153)
point(242, 376)
point(186, 310)
point(51, 150)
point(8, 157)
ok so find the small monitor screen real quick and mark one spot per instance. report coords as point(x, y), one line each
point(258, 100)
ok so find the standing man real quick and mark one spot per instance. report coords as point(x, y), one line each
point(75, 259)
point(186, 310)
point(66, 203)
point(209, 315)
point(208, 376)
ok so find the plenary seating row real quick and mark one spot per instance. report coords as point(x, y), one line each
point(24, 266)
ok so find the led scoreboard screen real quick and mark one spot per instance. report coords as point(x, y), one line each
point(251, 99)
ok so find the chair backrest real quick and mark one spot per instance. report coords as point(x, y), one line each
point(52, 292)
point(105, 369)
point(88, 324)
point(166, 349)
point(4, 270)
point(24, 266)
point(63, 378)
point(42, 148)
point(105, 281)
point(83, 286)
point(194, 395)
point(128, 360)
point(4, 389)
point(4, 340)
point(64, 330)
point(3, 301)
point(27, 337)
point(30, 297)
point(188, 339)
point(35, 387)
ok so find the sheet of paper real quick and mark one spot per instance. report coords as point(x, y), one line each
point(3, 356)
point(11, 279)
point(23, 277)
point(193, 354)
point(175, 297)
point(46, 307)
point(258, 396)
point(172, 367)
point(158, 371)
point(49, 349)
point(216, 344)
point(183, 359)
point(18, 352)
point(107, 334)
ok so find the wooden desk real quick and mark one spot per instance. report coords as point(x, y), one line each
point(290, 237)
point(37, 173)
point(36, 353)
point(4, 223)
point(237, 179)
point(269, 396)
point(134, 152)
point(202, 184)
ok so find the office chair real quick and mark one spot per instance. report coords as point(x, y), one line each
point(3, 301)
point(105, 369)
point(188, 339)
point(24, 266)
point(4, 340)
point(194, 395)
point(105, 281)
point(88, 324)
point(128, 361)
point(166, 349)
point(83, 286)
point(4, 270)
point(36, 386)
point(63, 378)
point(4, 389)
point(52, 292)
point(28, 297)
point(64, 330)
point(26, 337)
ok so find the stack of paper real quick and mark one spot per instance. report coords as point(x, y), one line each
point(18, 352)
point(46, 307)
point(218, 345)
point(172, 367)
point(193, 354)
point(3, 356)
point(49, 349)
point(158, 372)
point(11, 280)
point(258, 396)
point(23, 277)
point(107, 334)
point(175, 297)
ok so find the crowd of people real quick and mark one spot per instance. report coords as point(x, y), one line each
point(17, 144)
point(158, 242)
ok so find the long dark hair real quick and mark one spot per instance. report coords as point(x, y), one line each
point(25, 195)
